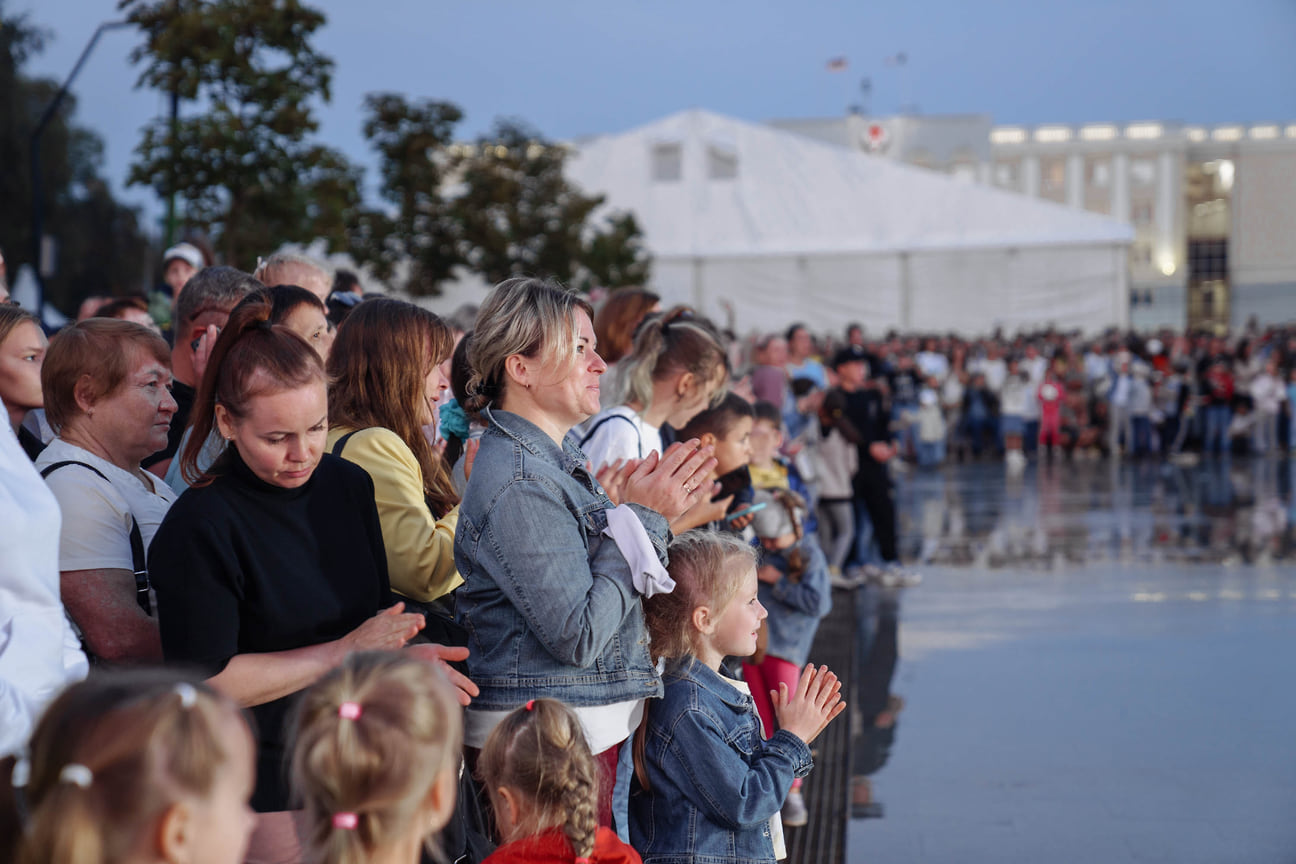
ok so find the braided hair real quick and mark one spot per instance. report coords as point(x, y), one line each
point(540, 752)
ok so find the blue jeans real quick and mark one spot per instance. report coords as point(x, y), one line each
point(865, 550)
point(931, 453)
point(1217, 419)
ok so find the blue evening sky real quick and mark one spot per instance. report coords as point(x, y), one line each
point(577, 67)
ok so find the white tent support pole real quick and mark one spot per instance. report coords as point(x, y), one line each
point(906, 292)
point(697, 283)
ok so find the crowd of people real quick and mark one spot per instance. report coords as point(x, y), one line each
point(298, 579)
point(1055, 394)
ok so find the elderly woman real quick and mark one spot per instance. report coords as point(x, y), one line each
point(107, 390)
point(551, 604)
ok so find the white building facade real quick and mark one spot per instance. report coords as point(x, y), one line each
point(1213, 208)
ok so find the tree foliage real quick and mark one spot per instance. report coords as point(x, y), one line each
point(243, 163)
point(412, 140)
point(498, 207)
point(99, 248)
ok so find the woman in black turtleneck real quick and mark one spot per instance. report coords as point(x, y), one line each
point(271, 568)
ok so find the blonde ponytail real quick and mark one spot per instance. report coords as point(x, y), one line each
point(109, 755)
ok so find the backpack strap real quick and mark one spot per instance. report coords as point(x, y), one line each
point(341, 442)
point(638, 437)
point(138, 559)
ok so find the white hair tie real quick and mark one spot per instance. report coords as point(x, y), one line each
point(188, 695)
point(21, 775)
point(76, 774)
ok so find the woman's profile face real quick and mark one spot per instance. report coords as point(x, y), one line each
point(309, 323)
point(281, 437)
point(572, 396)
point(435, 385)
point(21, 355)
point(133, 420)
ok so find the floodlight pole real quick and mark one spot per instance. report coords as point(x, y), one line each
point(38, 192)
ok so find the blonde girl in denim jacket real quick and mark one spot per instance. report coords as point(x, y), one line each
point(707, 785)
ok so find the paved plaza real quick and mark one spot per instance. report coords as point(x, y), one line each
point(1098, 667)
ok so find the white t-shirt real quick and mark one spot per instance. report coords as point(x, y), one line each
point(97, 514)
point(604, 725)
point(617, 433)
point(39, 653)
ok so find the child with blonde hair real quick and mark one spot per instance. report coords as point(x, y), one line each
point(378, 746)
point(544, 787)
point(131, 767)
point(707, 785)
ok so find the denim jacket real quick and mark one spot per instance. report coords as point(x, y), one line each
point(715, 782)
point(547, 600)
point(796, 607)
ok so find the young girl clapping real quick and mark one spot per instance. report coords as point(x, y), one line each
point(544, 787)
point(707, 785)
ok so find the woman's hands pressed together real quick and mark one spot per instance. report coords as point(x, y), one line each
point(672, 482)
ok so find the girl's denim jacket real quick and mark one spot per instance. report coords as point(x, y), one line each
point(547, 599)
point(796, 607)
point(715, 782)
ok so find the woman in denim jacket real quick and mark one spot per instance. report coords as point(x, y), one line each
point(707, 787)
point(552, 603)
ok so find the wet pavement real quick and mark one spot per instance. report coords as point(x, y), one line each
point(1098, 667)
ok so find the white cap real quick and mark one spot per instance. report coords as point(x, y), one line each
point(186, 252)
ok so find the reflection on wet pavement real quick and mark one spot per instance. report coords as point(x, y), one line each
point(1229, 512)
point(1090, 671)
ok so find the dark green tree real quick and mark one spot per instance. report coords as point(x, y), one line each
point(242, 160)
point(518, 213)
point(413, 142)
point(614, 256)
point(99, 248)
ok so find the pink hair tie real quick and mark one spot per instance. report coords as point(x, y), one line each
point(350, 711)
point(530, 706)
point(345, 821)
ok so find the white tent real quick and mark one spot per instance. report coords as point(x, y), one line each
point(786, 228)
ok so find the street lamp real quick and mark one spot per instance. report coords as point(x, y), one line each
point(38, 210)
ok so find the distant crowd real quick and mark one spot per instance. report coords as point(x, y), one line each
point(1051, 394)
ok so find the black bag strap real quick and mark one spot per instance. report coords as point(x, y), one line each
point(638, 437)
point(138, 559)
point(341, 442)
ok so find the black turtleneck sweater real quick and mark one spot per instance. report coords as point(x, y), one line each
point(244, 567)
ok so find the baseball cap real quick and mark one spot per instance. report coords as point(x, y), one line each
point(849, 354)
point(186, 252)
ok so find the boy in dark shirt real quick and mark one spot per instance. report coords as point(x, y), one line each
point(865, 409)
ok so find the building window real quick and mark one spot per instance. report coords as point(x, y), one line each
point(1007, 175)
point(667, 163)
point(721, 164)
point(1053, 179)
point(1097, 184)
point(1142, 172)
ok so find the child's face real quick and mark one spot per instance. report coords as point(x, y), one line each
point(222, 820)
point(735, 628)
point(734, 450)
point(778, 544)
point(766, 438)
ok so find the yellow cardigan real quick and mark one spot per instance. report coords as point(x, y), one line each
point(420, 547)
